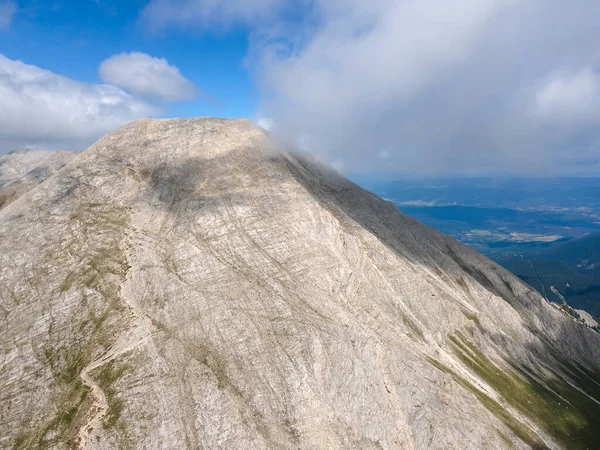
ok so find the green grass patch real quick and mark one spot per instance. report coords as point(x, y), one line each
point(412, 326)
point(473, 318)
point(562, 411)
point(520, 429)
point(61, 428)
point(106, 377)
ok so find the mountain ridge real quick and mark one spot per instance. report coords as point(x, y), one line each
point(183, 283)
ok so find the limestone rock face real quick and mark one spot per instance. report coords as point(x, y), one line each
point(188, 284)
point(25, 168)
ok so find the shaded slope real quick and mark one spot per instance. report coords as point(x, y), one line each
point(23, 169)
point(183, 284)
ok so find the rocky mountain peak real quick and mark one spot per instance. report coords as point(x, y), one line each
point(187, 284)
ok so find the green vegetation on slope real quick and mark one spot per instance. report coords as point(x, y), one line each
point(564, 412)
point(106, 377)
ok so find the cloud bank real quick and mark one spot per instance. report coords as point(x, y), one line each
point(424, 86)
point(146, 75)
point(39, 108)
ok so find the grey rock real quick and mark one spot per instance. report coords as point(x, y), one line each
point(191, 284)
point(587, 318)
point(23, 169)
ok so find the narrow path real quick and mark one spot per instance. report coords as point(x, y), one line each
point(136, 335)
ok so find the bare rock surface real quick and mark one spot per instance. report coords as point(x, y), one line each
point(188, 284)
point(587, 318)
point(23, 169)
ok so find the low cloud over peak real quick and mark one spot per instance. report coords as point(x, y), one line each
point(460, 86)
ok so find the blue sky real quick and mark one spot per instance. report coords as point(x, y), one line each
point(72, 37)
point(428, 87)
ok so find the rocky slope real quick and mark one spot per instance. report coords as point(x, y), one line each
point(23, 169)
point(184, 284)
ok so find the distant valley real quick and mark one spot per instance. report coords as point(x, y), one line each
point(562, 271)
point(544, 230)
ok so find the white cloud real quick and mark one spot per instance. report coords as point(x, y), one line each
point(369, 52)
point(572, 96)
point(7, 11)
point(146, 75)
point(265, 122)
point(210, 13)
point(442, 85)
point(384, 154)
point(39, 107)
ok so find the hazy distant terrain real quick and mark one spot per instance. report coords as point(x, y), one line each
point(545, 230)
point(561, 271)
point(500, 192)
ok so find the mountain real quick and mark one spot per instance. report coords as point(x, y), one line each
point(562, 271)
point(192, 283)
point(25, 168)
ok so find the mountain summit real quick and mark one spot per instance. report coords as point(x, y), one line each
point(187, 284)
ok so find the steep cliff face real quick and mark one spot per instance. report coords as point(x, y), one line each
point(23, 169)
point(184, 284)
